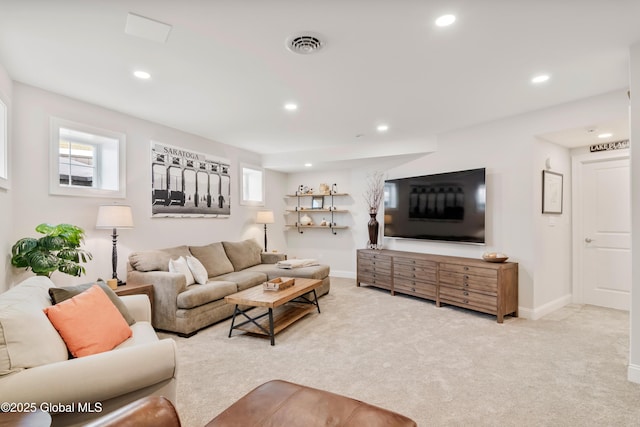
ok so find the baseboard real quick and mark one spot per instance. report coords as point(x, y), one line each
point(343, 274)
point(538, 312)
point(633, 373)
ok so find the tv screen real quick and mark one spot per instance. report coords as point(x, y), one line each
point(445, 206)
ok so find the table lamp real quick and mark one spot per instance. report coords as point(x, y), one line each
point(265, 217)
point(114, 217)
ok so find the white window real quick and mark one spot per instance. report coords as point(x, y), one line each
point(4, 145)
point(86, 161)
point(251, 185)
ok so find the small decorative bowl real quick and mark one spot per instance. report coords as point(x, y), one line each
point(494, 257)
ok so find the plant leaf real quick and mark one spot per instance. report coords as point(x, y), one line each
point(43, 263)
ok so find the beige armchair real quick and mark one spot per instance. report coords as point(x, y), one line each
point(34, 368)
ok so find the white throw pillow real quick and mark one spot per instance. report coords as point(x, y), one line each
point(180, 266)
point(197, 269)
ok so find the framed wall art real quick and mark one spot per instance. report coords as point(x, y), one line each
point(317, 202)
point(186, 183)
point(551, 192)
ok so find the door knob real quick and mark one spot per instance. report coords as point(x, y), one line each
point(588, 239)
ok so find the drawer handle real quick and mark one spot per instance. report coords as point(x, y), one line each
point(466, 276)
point(466, 268)
point(466, 293)
point(413, 289)
point(466, 284)
point(413, 269)
point(466, 301)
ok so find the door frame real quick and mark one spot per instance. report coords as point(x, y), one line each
point(577, 162)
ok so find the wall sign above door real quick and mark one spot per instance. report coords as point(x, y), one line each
point(606, 146)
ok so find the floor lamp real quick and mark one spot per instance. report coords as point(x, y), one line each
point(265, 217)
point(114, 217)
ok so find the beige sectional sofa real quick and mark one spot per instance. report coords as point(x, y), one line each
point(35, 368)
point(230, 267)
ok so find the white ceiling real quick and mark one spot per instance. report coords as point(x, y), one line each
point(224, 72)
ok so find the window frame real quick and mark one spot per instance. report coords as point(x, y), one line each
point(248, 202)
point(55, 188)
point(4, 143)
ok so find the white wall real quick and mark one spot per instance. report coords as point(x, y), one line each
point(6, 94)
point(514, 159)
point(32, 204)
point(552, 237)
point(634, 114)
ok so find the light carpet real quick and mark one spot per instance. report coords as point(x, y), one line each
point(439, 366)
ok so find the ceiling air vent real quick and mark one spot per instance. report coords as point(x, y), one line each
point(304, 43)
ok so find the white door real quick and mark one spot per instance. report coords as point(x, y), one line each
point(603, 237)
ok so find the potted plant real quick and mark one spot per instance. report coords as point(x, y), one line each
point(58, 250)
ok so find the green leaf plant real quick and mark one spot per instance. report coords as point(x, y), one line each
point(58, 250)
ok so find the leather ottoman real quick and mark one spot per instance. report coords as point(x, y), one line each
point(279, 403)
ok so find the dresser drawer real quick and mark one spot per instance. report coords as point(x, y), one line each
point(419, 289)
point(400, 261)
point(372, 265)
point(472, 282)
point(379, 281)
point(373, 257)
point(466, 297)
point(468, 269)
point(415, 272)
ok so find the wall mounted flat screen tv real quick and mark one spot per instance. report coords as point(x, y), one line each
point(446, 206)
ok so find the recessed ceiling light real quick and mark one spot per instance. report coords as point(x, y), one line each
point(445, 20)
point(382, 128)
point(142, 74)
point(307, 165)
point(540, 79)
point(290, 106)
point(605, 135)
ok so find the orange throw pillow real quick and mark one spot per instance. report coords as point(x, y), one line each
point(89, 323)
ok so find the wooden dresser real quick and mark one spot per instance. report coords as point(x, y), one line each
point(464, 282)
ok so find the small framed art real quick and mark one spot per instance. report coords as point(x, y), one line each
point(551, 192)
point(317, 202)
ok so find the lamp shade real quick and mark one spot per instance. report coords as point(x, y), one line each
point(114, 216)
point(264, 217)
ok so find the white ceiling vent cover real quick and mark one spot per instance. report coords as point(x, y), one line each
point(304, 43)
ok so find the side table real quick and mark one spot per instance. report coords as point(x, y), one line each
point(138, 289)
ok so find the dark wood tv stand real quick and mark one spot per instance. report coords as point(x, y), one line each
point(463, 282)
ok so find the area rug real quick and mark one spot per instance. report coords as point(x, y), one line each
point(439, 366)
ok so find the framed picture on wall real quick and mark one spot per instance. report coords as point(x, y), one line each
point(551, 192)
point(317, 202)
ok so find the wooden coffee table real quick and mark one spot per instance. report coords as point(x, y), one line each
point(284, 307)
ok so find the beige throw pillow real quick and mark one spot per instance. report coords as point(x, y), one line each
point(27, 338)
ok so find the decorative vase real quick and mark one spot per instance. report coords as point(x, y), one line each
point(373, 226)
point(305, 220)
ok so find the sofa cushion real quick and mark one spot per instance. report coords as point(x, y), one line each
point(89, 323)
point(156, 260)
point(213, 257)
point(243, 254)
point(195, 296)
point(244, 279)
point(27, 338)
point(143, 333)
point(180, 266)
point(62, 294)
